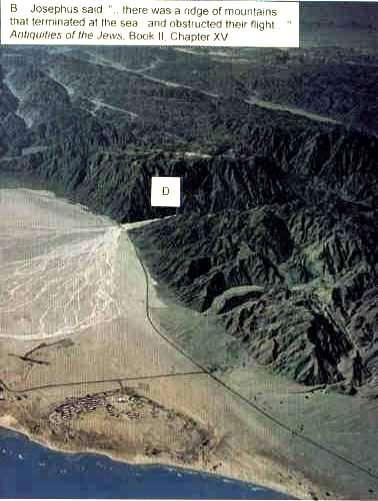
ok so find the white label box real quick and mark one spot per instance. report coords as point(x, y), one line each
point(165, 192)
point(223, 23)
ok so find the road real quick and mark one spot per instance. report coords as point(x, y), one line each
point(73, 273)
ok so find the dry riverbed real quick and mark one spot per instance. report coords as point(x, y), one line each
point(75, 338)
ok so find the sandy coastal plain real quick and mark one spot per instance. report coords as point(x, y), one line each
point(83, 369)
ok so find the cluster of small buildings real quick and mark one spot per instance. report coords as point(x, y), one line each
point(130, 405)
point(73, 407)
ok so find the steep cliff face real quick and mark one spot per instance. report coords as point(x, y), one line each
point(12, 126)
point(276, 234)
point(289, 281)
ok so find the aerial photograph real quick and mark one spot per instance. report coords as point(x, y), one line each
point(224, 347)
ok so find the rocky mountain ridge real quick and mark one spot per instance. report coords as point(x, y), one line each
point(276, 234)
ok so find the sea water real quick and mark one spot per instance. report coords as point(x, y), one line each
point(28, 470)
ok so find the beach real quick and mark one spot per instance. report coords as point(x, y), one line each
point(71, 275)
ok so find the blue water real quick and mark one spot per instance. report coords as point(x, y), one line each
point(28, 470)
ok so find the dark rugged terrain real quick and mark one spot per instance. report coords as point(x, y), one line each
point(277, 233)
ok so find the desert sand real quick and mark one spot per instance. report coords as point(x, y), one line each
point(73, 325)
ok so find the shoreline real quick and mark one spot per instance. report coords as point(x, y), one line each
point(9, 423)
point(245, 447)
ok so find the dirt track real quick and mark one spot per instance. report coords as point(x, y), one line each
point(67, 272)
